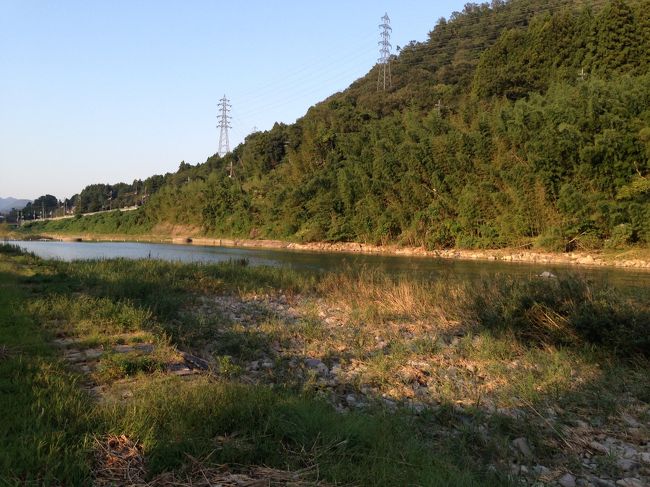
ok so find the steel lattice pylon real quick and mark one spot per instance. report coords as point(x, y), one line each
point(224, 125)
point(384, 80)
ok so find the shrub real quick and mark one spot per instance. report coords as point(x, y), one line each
point(621, 236)
point(563, 312)
point(552, 241)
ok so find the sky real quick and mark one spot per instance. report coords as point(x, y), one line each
point(99, 91)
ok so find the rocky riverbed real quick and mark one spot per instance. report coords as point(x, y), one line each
point(310, 343)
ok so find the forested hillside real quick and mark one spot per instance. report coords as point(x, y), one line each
point(519, 123)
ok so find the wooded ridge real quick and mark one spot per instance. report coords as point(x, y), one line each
point(524, 122)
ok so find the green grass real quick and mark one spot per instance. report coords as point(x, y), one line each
point(114, 222)
point(262, 426)
point(46, 420)
point(49, 423)
point(564, 312)
point(526, 345)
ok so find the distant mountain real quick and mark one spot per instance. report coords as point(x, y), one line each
point(6, 204)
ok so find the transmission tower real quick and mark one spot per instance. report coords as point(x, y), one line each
point(384, 51)
point(224, 125)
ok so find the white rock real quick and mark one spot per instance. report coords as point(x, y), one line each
point(625, 464)
point(630, 421)
point(630, 482)
point(629, 452)
point(317, 365)
point(602, 482)
point(418, 407)
point(567, 480)
point(390, 404)
point(599, 447)
point(521, 445)
point(93, 353)
point(541, 470)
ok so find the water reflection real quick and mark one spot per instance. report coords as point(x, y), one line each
point(418, 267)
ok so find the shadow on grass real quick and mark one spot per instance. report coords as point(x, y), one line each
point(278, 424)
point(219, 419)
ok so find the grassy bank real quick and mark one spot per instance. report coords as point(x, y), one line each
point(114, 222)
point(342, 379)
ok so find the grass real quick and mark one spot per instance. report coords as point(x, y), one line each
point(487, 361)
point(7, 231)
point(249, 425)
point(45, 416)
point(52, 421)
point(113, 223)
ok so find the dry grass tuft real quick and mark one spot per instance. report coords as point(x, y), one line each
point(384, 298)
point(120, 462)
point(254, 477)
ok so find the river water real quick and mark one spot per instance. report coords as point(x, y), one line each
point(425, 268)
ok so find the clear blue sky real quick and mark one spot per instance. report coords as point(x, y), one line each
point(106, 91)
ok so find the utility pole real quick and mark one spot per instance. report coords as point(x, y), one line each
point(384, 79)
point(440, 107)
point(231, 167)
point(582, 75)
point(224, 125)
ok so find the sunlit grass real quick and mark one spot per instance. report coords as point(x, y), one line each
point(106, 303)
point(500, 345)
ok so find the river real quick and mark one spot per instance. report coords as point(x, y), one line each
point(415, 267)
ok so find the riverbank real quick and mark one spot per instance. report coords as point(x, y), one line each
point(626, 258)
point(325, 380)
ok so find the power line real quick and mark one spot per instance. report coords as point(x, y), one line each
point(433, 47)
point(436, 46)
point(311, 77)
point(224, 125)
point(299, 93)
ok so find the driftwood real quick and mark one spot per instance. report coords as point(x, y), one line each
point(195, 362)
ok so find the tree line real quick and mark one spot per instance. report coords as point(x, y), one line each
point(515, 123)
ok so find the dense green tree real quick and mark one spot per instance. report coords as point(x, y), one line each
point(517, 123)
point(42, 207)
